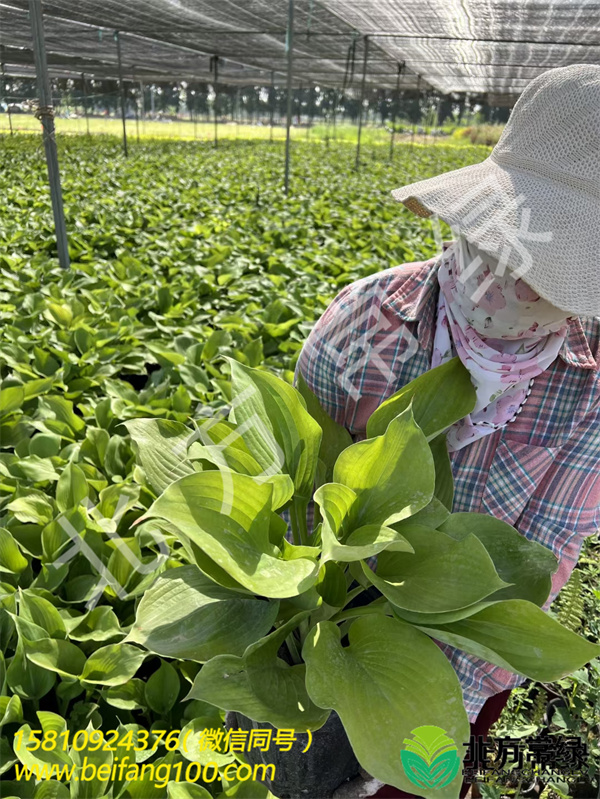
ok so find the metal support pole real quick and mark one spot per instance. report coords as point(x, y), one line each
point(215, 65)
point(272, 104)
point(143, 103)
point(136, 109)
point(395, 108)
point(336, 100)
point(290, 64)
point(412, 138)
point(85, 103)
point(121, 91)
point(362, 98)
point(45, 114)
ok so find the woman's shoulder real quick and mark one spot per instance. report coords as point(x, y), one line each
point(403, 280)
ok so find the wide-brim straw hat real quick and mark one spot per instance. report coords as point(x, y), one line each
point(534, 203)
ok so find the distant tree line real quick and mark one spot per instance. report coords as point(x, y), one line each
point(200, 100)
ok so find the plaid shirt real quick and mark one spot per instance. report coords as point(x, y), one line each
point(539, 473)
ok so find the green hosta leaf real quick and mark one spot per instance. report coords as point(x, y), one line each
point(223, 445)
point(162, 689)
point(162, 450)
point(60, 410)
point(72, 488)
point(277, 428)
point(45, 445)
point(43, 613)
point(444, 481)
point(335, 437)
point(518, 636)
point(93, 758)
point(61, 657)
point(26, 679)
point(34, 469)
point(49, 722)
point(433, 515)
point(336, 501)
point(226, 515)
point(114, 664)
point(261, 685)
point(331, 584)
point(377, 689)
point(185, 615)
point(439, 398)
point(527, 564)
point(11, 710)
point(100, 624)
point(442, 575)
point(393, 474)
point(11, 558)
point(186, 790)
point(11, 399)
point(51, 789)
point(34, 507)
point(129, 696)
point(195, 748)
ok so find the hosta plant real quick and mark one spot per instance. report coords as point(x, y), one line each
point(279, 627)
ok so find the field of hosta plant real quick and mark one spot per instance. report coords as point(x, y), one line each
point(185, 259)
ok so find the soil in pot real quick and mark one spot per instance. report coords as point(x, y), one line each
point(315, 774)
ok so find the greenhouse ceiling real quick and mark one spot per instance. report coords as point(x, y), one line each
point(475, 46)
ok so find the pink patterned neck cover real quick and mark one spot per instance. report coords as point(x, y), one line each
point(501, 330)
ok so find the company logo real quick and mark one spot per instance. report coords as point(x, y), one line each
point(430, 758)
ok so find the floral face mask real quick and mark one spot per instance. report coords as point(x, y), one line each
point(498, 305)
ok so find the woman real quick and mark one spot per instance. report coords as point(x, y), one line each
point(516, 296)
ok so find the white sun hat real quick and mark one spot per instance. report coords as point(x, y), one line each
point(534, 203)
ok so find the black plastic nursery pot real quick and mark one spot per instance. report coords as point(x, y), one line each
point(314, 774)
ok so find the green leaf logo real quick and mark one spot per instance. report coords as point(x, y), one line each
point(430, 758)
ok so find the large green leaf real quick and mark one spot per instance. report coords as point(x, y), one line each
point(392, 474)
point(11, 558)
point(517, 635)
point(260, 684)
point(25, 678)
point(274, 422)
point(162, 689)
point(335, 437)
point(162, 450)
point(72, 488)
point(444, 481)
point(527, 564)
point(62, 657)
point(336, 501)
point(439, 398)
point(114, 664)
point(39, 757)
point(186, 615)
point(221, 444)
point(442, 575)
point(227, 516)
point(375, 684)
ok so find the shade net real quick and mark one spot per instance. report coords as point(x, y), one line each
point(174, 40)
point(475, 46)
